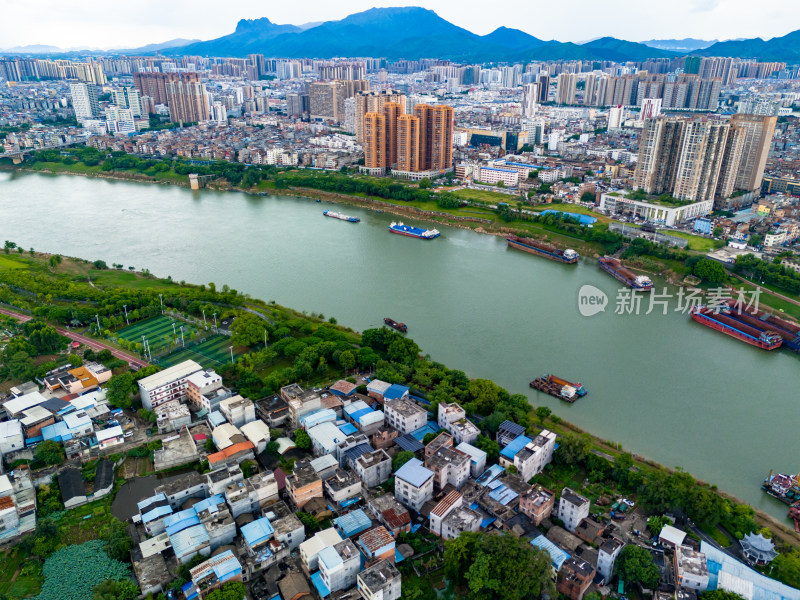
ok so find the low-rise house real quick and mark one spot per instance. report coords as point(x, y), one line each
point(607, 557)
point(17, 504)
point(377, 544)
point(294, 587)
point(103, 478)
point(352, 523)
point(590, 531)
point(257, 433)
point(324, 438)
point(444, 507)
point(232, 455)
point(153, 511)
point(34, 419)
point(413, 484)
point(205, 391)
point(310, 549)
point(113, 436)
point(381, 581)
point(261, 549)
point(508, 432)
point(221, 478)
point(171, 416)
point(376, 389)
point(338, 566)
point(225, 435)
point(189, 542)
point(189, 485)
point(557, 554)
point(238, 410)
point(458, 521)
point(691, 569)
point(273, 411)
point(671, 537)
point(572, 509)
point(303, 484)
point(390, 513)
point(533, 458)
point(450, 466)
point(574, 578)
point(11, 438)
point(405, 415)
point(384, 438)
point(73, 491)
point(343, 388)
point(343, 488)
point(176, 450)
point(288, 528)
point(453, 418)
point(213, 574)
point(477, 458)
point(537, 503)
point(373, 468)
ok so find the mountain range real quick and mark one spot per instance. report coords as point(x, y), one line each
point(414, 32)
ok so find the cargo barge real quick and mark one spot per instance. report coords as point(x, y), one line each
point(568, 256)
point(790, 332)
point(340, 216)
point(785, 488)
point(724, 323)
point(415, 232)
point(558, 387)
point(622, 273)
point(395, 325)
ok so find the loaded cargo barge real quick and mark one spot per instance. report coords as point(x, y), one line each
point(568, 256)
point(558, 387)
point(415, 232)
point(790, 332)
point(622, 273)
point(340, 216)
point(395, 325)
point(724, 323)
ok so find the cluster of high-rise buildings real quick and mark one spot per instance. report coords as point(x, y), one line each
point(704, 159)
point(411, 145)
point(184, 94)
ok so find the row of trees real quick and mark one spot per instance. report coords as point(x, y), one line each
point(772, 273)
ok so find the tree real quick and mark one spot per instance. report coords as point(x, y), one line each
point(120, 388)
point(498, 566)
point(786, 568)
point(273, 448)
point(587, 197)
point(347, 359)
point(402, 458)
point(655, 524)
point(302, 439)
point(74, 360)
point(118, 542)
point(572, 449)
point(636, 565)
point(542, 412)
point(717, 231)
point(489, 446)
point(424, 183)
point(248, 330)
point(49, 453)
point(233, 590)
point(720, 594)
point(429, 437)
point(20, 366)
point(484, 395)
point(710, 271)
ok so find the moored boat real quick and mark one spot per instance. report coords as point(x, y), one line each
point(558, 387)
point(567, 256)
point(622, 273)
point(724, 323)
point(396, 325)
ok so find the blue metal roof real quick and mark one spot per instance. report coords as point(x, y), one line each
point(517, 444)
point(557, 555)
point(407, 442)
point(212, 501)
point(360, 413)
point(503, 495)
point(216, 418)
point(257, 531)
point(58, 432)
point(764, 588)
point(156, 513)
point(395, 391)
point(353, 523)
point(323, 590)
point(179, 516)
point(490, 475)
point(348, 429)
point(188, 540)
point(355, 407)
point(183, 524)
point(230, 567)
point(414, 472)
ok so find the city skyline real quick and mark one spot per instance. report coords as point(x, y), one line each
point(74, 24)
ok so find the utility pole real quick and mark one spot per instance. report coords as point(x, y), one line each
point(265, 338)
point(125, 308)
point(204, 318)
point(215, 323)
point(231, 347)
point(98, 323)
point(173, 329)
point(182, 342)
point(161, 297)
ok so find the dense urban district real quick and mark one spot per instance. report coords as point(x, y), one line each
point(169, 440)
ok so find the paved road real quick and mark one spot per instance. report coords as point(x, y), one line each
point(95, 345)
point(767, 290)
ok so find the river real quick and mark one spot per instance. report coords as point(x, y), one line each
point(661, 385)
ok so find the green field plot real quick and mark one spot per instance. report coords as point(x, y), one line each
point(162, 333)
point(212, 353)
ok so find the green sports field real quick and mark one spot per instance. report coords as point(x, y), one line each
point(212, 353)
point(159, 333)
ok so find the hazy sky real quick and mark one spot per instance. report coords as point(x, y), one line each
point(73, 23)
